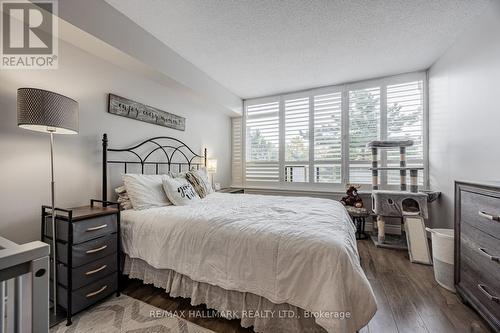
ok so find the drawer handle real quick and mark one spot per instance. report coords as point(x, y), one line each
point(489, 216)
point(489, 256)
point(96, 250)
point(96, 270)
point(97, 292)
point(490, 296)
point(97, 228)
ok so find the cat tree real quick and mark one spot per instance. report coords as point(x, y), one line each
point(395, 204)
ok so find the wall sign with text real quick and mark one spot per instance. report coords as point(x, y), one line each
point(127, 108)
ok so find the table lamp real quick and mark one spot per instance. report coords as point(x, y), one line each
point(212, 169)
point(45, 111)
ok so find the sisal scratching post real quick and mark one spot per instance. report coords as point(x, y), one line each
point(414, 180)
point(375, 168)
point(381, 229)
point(402, 165)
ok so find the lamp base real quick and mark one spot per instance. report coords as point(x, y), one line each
point(53, 218)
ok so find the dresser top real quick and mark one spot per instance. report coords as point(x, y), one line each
point(486, 183)
point(87, 212)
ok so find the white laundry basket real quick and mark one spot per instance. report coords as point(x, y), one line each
point(443, 255)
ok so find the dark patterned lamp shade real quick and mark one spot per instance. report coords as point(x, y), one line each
point(45, 111)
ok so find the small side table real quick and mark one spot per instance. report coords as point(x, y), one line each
point(358, 216)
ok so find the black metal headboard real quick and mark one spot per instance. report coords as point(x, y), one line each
point(163, 144)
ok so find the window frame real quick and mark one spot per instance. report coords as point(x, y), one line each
point(345, 158)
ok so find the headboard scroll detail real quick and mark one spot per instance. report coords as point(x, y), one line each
point(169, 148)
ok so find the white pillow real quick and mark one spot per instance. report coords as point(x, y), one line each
point(179, 191)
point(174, 174)
point(145, 191)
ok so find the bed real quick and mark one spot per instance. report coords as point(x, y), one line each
point(280, 264)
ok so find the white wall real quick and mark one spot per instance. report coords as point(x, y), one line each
point(24, 155)
point(464, 92)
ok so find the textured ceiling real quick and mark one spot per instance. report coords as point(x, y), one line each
point(257, 48)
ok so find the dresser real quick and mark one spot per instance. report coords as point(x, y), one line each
point(87, 254)
point(477, 248)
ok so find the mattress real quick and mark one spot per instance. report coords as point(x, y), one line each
point(288, 250)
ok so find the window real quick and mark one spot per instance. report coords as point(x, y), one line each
point(236, 152)
point(328, 138)
point(297, 140)
point(262, 127)
point(405, 121)
point(364, 126)
point(318, 138)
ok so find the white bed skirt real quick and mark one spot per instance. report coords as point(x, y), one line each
point(262, 314)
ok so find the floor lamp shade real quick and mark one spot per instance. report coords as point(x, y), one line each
point(45, 111)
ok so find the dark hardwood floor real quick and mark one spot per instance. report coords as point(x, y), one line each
point(409, 299)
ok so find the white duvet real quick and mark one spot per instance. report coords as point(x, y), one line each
point(295, 250)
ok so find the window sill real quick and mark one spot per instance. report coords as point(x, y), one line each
point(270, 190)
point(308, 191)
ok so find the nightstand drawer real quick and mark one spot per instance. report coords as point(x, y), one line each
point(87, 252)
point(88, 295)
point(89, 273)
point(83, 230)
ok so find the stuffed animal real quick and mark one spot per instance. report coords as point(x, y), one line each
point(352, 198)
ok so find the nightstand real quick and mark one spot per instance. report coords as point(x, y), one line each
point(88, 253)
point(231, 190)
point(358, 216)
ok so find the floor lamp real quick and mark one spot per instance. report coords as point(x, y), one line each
point(45, 111)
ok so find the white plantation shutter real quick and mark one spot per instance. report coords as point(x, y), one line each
point(328, 137)
point(236, 152)
point(262, 142)
point(317, 138)
point(405, 120)
point(297, 130)
point(296, 140)
point(364, 126)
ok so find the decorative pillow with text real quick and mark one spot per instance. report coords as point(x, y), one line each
point(179, 191)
